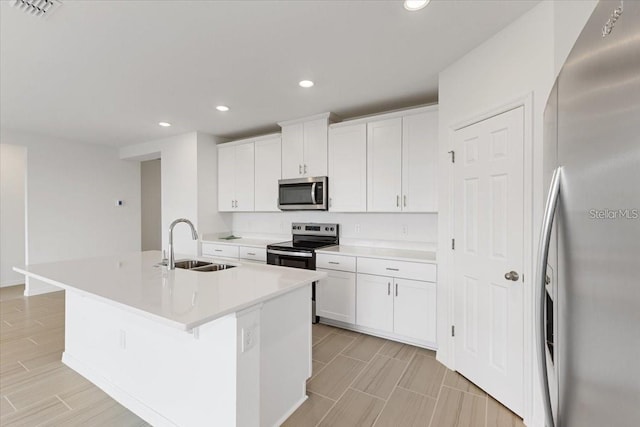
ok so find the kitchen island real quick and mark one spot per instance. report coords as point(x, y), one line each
point(188, 348)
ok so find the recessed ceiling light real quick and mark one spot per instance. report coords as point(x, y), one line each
point(222, 108)
point(164, 124)
point(413, 5)
point(306, 83)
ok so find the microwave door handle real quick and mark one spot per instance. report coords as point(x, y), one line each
point(313, 193)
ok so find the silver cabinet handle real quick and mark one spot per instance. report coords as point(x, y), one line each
point(512, 275)
point(305, 168)
point(333, 262)
point(392, 269)
point(388, 288)
point(396, 289)
point(299, 169)
point(232, 204)
point(397, 201)
point(217, 250)
point(405, 200)
point(330, 202)
point(543, 257)
point(251, 253)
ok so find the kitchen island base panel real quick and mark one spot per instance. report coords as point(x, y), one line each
point(211, 374)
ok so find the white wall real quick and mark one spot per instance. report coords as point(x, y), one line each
point(13, 164)
point(151, 205)
point(189, 185)
point(399, 230)
point(520, 61)
point(71, 193)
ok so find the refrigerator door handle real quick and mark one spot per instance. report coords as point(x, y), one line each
point(543, 255)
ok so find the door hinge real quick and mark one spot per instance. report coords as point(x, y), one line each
point(453, 330)
point(453, 156)
point(453, 244)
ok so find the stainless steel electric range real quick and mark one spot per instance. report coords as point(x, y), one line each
point(300, 251)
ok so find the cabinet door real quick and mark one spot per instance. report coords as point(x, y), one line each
point(348, 168)
point(315, 148)
point(226, 178)
point(415, 309)
point(292, 154)
point(244, 177)
point(267, 174)
point(419, 162)
point(336, 296)
point(384, 165)
point(374, 303)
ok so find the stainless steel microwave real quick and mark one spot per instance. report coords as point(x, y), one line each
point(303, 194)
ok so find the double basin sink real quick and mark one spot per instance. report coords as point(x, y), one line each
point(195, 265)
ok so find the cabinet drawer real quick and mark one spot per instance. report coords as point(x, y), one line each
point(402, 269)
point(255, 254)
point(336, 262)
point(212, 249)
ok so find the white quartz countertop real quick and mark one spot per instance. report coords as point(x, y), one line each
point(382, 253)
point(180, 298)
point(254, 243)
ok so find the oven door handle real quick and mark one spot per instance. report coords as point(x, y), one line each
point(288, 253)
point(313, 193)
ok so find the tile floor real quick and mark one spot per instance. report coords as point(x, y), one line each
point(358, 380)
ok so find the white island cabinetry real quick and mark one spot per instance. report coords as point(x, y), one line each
point(188, 348)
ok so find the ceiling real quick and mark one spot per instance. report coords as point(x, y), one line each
point(107, 72)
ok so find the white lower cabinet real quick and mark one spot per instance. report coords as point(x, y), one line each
point(398, 306)
point(336, 296)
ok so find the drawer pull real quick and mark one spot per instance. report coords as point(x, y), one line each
point(333, 262)
point(393, 269)
point(389, 288)
point(396, 289)
point(251, 253)
point(217, 250)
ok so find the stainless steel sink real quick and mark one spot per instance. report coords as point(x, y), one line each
point(214, 267)
point(189, 264)
point(195, 265)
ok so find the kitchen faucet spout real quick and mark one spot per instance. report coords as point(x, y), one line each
point(194, 235)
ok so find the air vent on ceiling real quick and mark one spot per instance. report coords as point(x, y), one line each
point(37, 7)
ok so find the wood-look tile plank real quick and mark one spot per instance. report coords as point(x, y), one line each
point(457, 408)
point(426, 352)
point(42, 359)
point(380, 376)
point(364, 347)
point(398, 350)
point(35, 414)
point(41, 386)
point(330, 346)
point(353, 409)
point(310, 412)
point(103, 413)
point(11, 292)
point(457, 381)
point(5, 407)
point(334, 379)
point(424, 375)
point(319, 332)
point(406, 409)
point(316, 367)
point(499, 416)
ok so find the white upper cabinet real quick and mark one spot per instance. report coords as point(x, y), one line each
point(236, 177)
point(267, 173)
point(384, 165)
point(348, 168)
point(419, 162)
point(402, 162)
point(304, 147)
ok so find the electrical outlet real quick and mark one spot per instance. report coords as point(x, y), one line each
point(357, 228)
point(249, 338)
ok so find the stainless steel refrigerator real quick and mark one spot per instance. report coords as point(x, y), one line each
point(588, 273)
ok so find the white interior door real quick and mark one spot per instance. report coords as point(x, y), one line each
point(488, 232)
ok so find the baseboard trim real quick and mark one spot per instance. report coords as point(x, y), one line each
point(291, 411)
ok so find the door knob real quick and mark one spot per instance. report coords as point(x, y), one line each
point(512, 275)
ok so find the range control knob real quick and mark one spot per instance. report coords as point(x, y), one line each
point(331, 228)
point(326, 229)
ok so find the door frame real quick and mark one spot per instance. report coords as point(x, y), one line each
point(446, 254)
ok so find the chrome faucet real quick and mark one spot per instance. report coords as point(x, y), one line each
point(194, 234)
